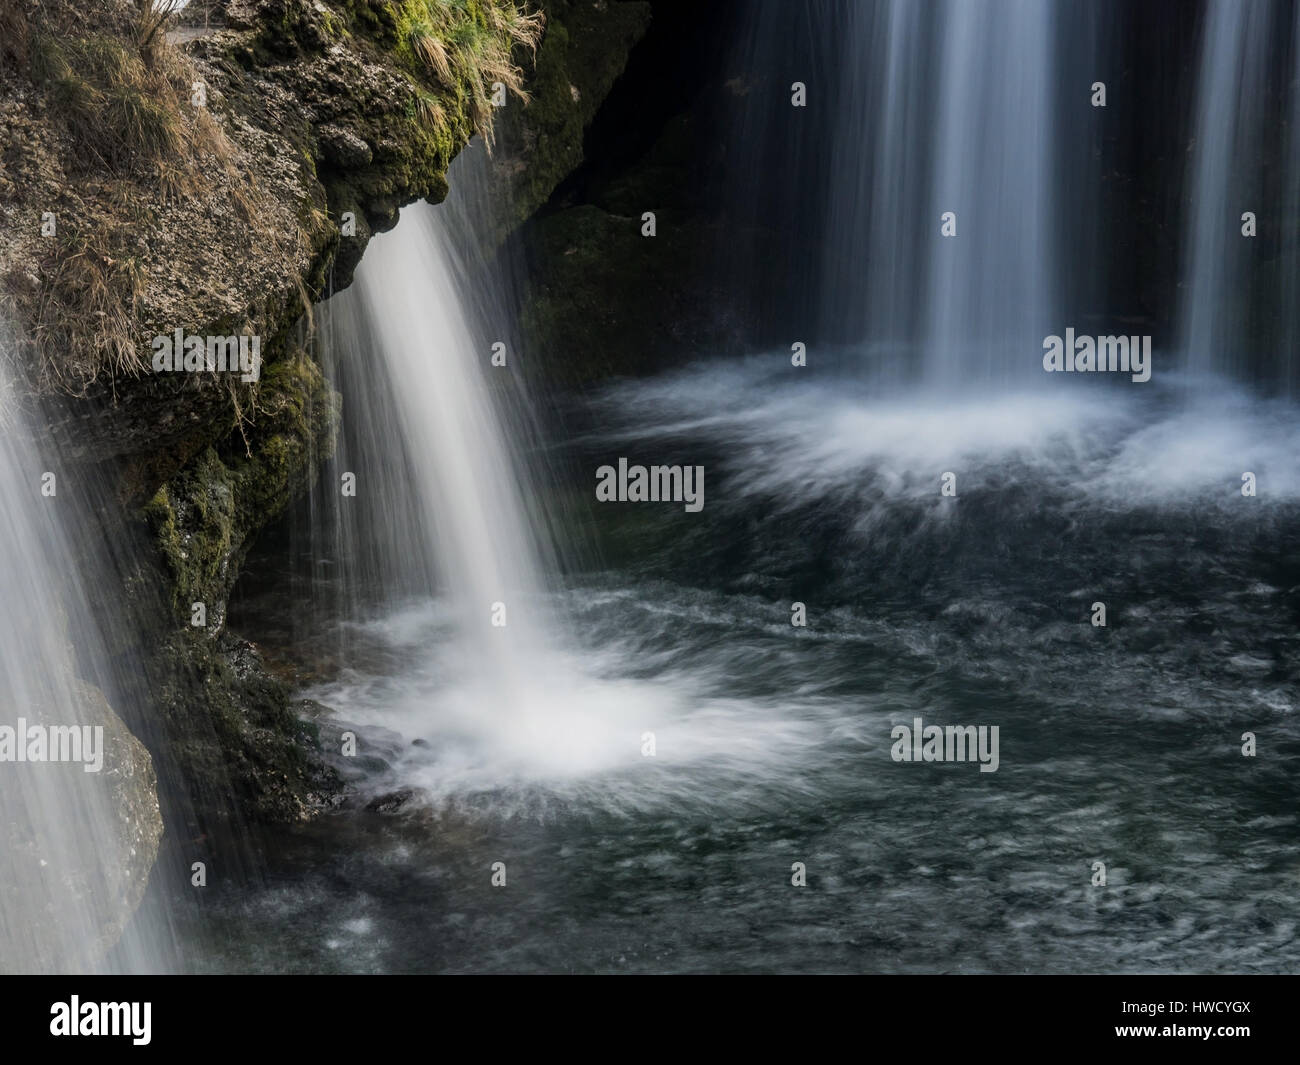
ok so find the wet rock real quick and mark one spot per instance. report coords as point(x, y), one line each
point(344, 149)
point(584, 52)
point(76, 847)
point(395, 801)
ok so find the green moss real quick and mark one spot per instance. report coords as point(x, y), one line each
point(230, 728)
point(232, 736)
point(193, 521)
point(203, 519)
point(463, 49)
point(333, 25)
point(374, 18)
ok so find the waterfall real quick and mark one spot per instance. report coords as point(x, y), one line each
point(458, 501)
point(75, 845)
point(1289, 275)
point(986, 114)
point(989, 291)
point(442, 556)
point(925, 168)
point(1229, 132)
point(1099, 584)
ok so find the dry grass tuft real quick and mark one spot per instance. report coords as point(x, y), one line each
point(83, 319)
point(123, 94)
point(152, 16)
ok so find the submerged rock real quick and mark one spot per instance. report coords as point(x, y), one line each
point(77, 846)
point(399, 801)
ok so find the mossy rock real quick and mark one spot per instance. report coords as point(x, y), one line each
point(585, 49)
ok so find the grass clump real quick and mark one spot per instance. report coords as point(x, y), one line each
point(122, 90)
point(91, 281)
point(468, 47)
point(111, 80)
point(122, 112)
point(152, 17)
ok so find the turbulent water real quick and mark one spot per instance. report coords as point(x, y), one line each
point(1118, 744)
point(629, 774)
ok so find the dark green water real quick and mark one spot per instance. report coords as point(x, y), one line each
point(1119, 745)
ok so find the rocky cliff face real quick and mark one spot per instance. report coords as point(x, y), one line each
point(217, 173)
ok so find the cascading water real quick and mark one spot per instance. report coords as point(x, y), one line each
point(1231, 124)
point(1283, 297)
point(439, 506)
point(443, 537)
point(463, 508)
point(80, 823)
point(1289, 275)
point(1120, 742)
point(441, 523)
point(989, 294)
point(930, 162)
